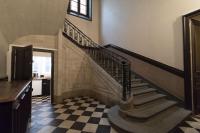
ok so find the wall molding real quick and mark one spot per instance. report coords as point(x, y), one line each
point(160, 65)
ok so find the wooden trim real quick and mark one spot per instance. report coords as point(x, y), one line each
point(187, 57)
point(187, 63)
point(160, 65)
point(52, 70)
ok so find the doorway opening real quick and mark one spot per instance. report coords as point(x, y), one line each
point(191, 38)
point(43, 73)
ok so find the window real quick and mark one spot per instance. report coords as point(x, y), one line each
point(81, 8)
point(42, 65)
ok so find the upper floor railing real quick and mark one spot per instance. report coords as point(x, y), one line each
point(117, 66)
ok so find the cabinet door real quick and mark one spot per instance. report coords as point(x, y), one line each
point(22, 111)
point(46, 87)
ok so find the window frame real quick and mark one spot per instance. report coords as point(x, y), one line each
point(88, 15)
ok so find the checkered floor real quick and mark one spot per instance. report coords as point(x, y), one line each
point(82, 115)
point(190, 125)
point(75, 115)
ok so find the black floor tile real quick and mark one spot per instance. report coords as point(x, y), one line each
point(94, 120)
point(87, 113)
point(73, 117)
point(60, 130)
point(78, 126)
point(103, 129)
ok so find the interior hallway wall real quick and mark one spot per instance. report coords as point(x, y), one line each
point(152, 28)
point(90, 28)
point(40, 41)
point(3, 51)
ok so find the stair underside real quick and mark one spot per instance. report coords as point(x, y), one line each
point(161, 123)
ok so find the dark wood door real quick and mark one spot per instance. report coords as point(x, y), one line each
point(28, 55)
point(21, 63)
point(196, 65)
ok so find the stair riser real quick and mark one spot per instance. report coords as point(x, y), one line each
point(136, 82)
point(149, 102)
point(146, 118)
point(140, 87)
point(145, 95)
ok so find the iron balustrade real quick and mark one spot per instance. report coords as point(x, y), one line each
point(117, 66)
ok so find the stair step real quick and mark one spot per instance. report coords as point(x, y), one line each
point(136, 80)
point(146, 99)
point(143, 91)
point(150, 110)
point(139, 85)
point(161, 123)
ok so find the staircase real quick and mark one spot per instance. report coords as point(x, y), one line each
point(149, 112)
point(143, 109)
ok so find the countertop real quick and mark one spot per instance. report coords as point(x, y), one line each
point(10, 91)
point(41, 78)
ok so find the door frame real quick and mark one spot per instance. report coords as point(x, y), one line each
point(52, 69)
point(187, 19)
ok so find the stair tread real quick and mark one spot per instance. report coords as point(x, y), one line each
point(146, 99)
point(143, 91)
point(138, 85)
point(161, 123)
point(150, 110)
point(135, 80)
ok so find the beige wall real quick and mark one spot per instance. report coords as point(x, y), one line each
point(73, 68)
point(90, 28)
point(79, 75)
point(37, 22)
point(3, 51)
point(169, 82)
point(31, 17)
point(41, 17)
point(41, 41)
point(152, 28)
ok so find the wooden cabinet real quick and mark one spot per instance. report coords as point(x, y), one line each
point(46, 87)
point(16, 111)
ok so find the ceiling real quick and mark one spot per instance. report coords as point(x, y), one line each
point(36, 17)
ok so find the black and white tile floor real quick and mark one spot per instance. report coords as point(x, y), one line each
point(191, 125)
point(82, 115)
point(75, 115)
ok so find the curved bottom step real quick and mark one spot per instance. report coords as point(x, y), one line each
point(161, 123)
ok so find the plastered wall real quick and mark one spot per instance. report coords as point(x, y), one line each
point(91, 28)
point(165, 80)
point(152, 28)
point(40, 41)
point(3, 50)
point(79, 75)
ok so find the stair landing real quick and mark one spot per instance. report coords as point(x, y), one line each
point(161, 123)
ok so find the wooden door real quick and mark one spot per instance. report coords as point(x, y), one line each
point(28, 55)
point(196, 65)
point(21, 63)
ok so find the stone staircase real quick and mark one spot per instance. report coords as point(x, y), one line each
point(143, 109)
point(149, 111)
